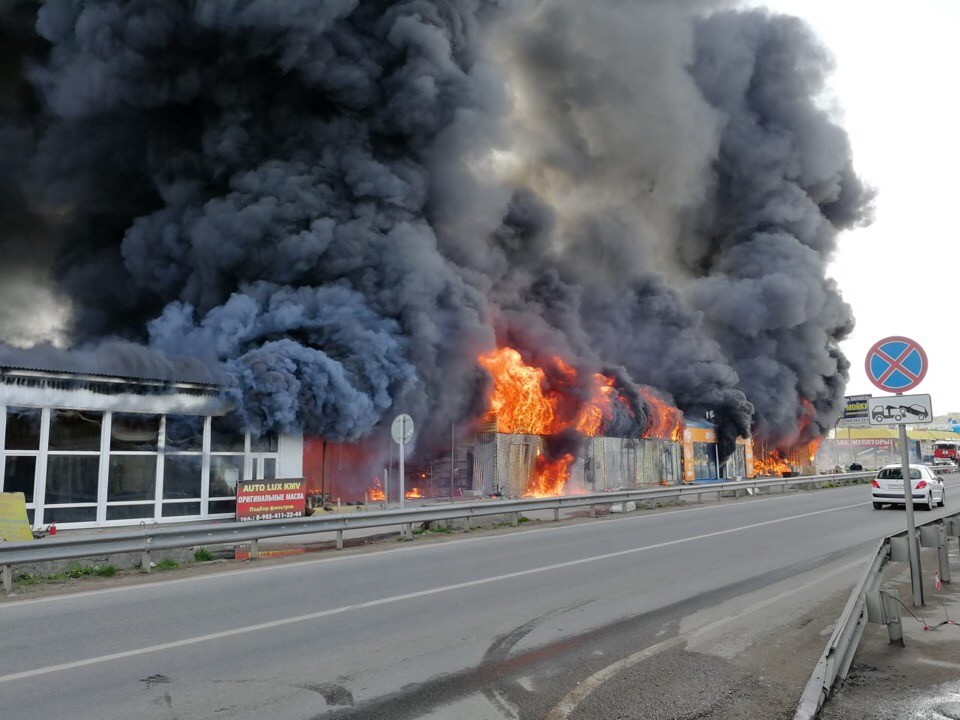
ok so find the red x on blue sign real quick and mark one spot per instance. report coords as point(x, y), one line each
point(896, 364)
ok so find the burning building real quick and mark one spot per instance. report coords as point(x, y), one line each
point(347, 211)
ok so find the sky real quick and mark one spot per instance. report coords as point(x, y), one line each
point(895, 86)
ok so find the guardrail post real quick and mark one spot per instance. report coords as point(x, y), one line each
point(514, 519)
point(145, 561)
point(556, 514)
point(407, 533)
point(254, 549)
point(891, 611)
point(8, 578)
point(339, 539)
point(467, 523)
point(943, 554)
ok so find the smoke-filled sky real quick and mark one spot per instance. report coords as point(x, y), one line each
point(895, 65)
point(342, 204)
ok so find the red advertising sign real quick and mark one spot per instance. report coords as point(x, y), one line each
point(271, 499)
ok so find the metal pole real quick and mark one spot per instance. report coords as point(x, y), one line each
point(912, 541)
point(403, 434)
point(850, 446)
point(453, 455)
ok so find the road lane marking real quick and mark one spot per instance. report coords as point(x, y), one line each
point(300, 564)
point(398, 598)
point(587, 687)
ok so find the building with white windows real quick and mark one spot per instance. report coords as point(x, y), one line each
point(93, 450)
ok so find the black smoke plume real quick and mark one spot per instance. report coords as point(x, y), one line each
point(340, 205)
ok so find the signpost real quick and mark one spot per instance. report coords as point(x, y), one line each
point(897, 364)
point(402, 433)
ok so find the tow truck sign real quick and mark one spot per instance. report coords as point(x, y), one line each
point(897, 409)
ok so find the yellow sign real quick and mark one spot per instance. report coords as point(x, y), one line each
point(14, 525)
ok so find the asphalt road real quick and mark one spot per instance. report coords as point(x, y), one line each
point(483, 627)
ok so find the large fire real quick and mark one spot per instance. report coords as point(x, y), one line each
point(376, 493)
point(550, 476)
point(773, 465)
point(665, 421)
point(414, 493)
point(797, 454)
point(532, 400)
point(526, 402)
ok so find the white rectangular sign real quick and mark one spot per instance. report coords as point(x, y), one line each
point(900, 409)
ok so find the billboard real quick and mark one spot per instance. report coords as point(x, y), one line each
point(271, 499)
point(856, 411)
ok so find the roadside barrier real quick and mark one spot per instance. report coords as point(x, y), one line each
point(870, 603)
point(153, 538)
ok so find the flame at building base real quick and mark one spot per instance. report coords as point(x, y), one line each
point(376, 493)
point(550, 476)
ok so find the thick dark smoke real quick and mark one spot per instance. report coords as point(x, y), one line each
point(341, 204)
point(784, 185)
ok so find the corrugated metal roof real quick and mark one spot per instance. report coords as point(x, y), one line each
point(116, 360)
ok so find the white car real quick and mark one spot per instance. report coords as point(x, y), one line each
point(927, 487)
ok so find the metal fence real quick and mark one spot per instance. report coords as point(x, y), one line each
point(154, 538)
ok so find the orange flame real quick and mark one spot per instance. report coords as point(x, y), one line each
point(665, 421)
point(524, 402)
point(792, 455)
point(550, 476)
point(414, 493)
point(518, 400)
point(774, 464)
point(376, 493)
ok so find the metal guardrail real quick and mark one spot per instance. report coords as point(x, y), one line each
point(867, 605)
point(148, 539)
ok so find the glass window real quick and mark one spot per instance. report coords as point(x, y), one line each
point(225, 472)
point(226, 434)
point(18, 475)
point(129, 512)
point(75, 430)
point(184, 433)
point(133, 431)
point(182, 477)
point(896, 474)
point(132, 477)
point(223, 506)
point(23, 429)
point(179, 509)
point(72, 479)
point(269, 468)
point(68, 514)
point(266, 443)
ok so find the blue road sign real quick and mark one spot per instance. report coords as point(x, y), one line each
point(896, 364)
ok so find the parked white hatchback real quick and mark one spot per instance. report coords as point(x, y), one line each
point(927, 487)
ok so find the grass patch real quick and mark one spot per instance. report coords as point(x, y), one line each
point(80, 571)
point(202, 555)
point(74, 572)
point(167, 564)
point(523, 519)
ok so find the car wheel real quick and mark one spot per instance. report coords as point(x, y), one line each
point(878, 506)
point(928, 505)
point(943, 498)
